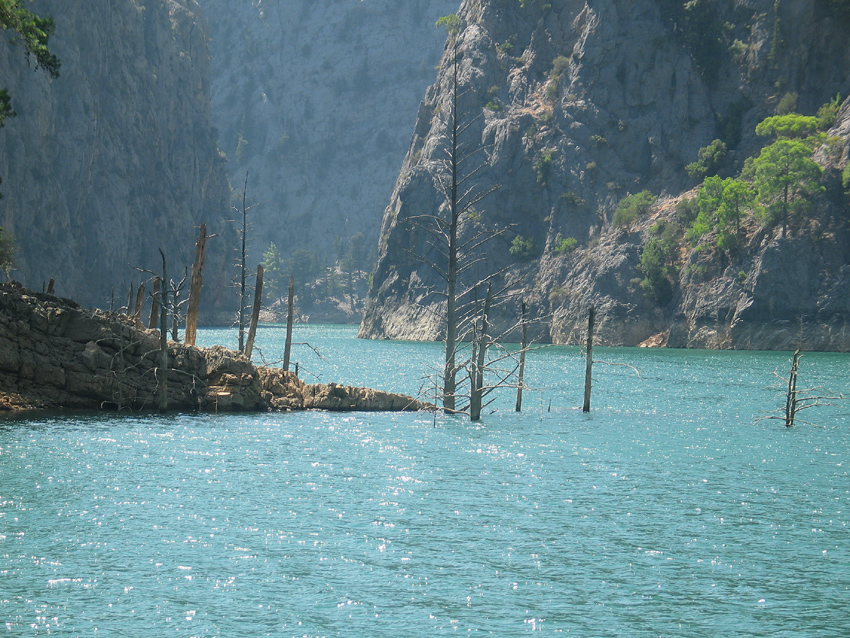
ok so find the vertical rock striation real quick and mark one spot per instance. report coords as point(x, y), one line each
point(579, 104)
point(117, 157)
point(316, 101)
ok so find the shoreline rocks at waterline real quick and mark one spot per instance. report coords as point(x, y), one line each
point(56, 355)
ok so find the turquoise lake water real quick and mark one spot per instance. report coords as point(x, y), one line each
point(667, 511)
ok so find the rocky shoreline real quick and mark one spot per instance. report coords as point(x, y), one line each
point(55, 354)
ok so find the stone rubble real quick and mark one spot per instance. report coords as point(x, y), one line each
point(55, 354)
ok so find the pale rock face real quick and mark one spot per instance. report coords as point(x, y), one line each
point(314, 101)
point(117, 157)
point(631, 109)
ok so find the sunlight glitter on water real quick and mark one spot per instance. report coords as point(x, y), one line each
point(666, 511)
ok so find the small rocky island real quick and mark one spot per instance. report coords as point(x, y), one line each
point(55, 354)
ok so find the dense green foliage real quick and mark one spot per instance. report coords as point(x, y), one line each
point(632, 206)
point(784, 177)
point(776, 185)
point(658, 262)
point(565, 245)
point(828, 112)
point(790, 126)
point(708, 161)
point(523, 248)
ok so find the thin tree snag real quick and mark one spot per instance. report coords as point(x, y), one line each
point(524, 347)
point(51, 286)
point(477, 394)
point(129, 301)
point(243, 268)
point(154, 318)
point(163, 340)
point(195, 287)
point(137, 309)
point(591, 318)
point(255, 312)
point(287, 348)
point(791, 395)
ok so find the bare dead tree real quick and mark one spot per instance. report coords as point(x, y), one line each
point(455, 253)
point(797, 400)
point(243, 275)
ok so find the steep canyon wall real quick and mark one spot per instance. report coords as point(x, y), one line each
point(117, 157)
point(576, 105)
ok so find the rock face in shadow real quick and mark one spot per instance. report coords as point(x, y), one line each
point(578, 105)
point(316, 100)
point(55, 354)
point(118, 156)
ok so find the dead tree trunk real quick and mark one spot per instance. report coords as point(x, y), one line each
point(154, 318)
point(588, 374)
point(521, 373)
point(195, 288)
point(51, 286)
point(243, 269)
point(477, 391)
point(791, 395)
point(137, 309)
point(255, 312)
point(163, 340)
point(129, 301)
point(290, 311)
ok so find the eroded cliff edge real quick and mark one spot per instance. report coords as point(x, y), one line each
point(583, 103)
point(55, 354)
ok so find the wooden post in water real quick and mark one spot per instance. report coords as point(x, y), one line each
point(137, 309)
point(152, 321)
point(591, 317)
point(163, 339)
point(521, 375)
point(255, 312)
point(195, 288)
point(287, 349)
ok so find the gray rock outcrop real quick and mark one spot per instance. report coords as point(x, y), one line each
point(316, 101)
point(580, 104)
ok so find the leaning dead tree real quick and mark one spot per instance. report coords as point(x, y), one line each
point(797, 400)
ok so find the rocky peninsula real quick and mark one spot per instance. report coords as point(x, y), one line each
point(54, 354)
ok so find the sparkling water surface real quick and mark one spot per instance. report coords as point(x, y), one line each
point(665, 512)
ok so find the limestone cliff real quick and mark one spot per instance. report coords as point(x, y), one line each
point(581, 103)
point(117, 157)
point(315, 100)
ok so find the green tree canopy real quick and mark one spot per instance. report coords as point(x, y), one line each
point(708, 161)
point(631, 206)
point(785, 177)
point(792, 126)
